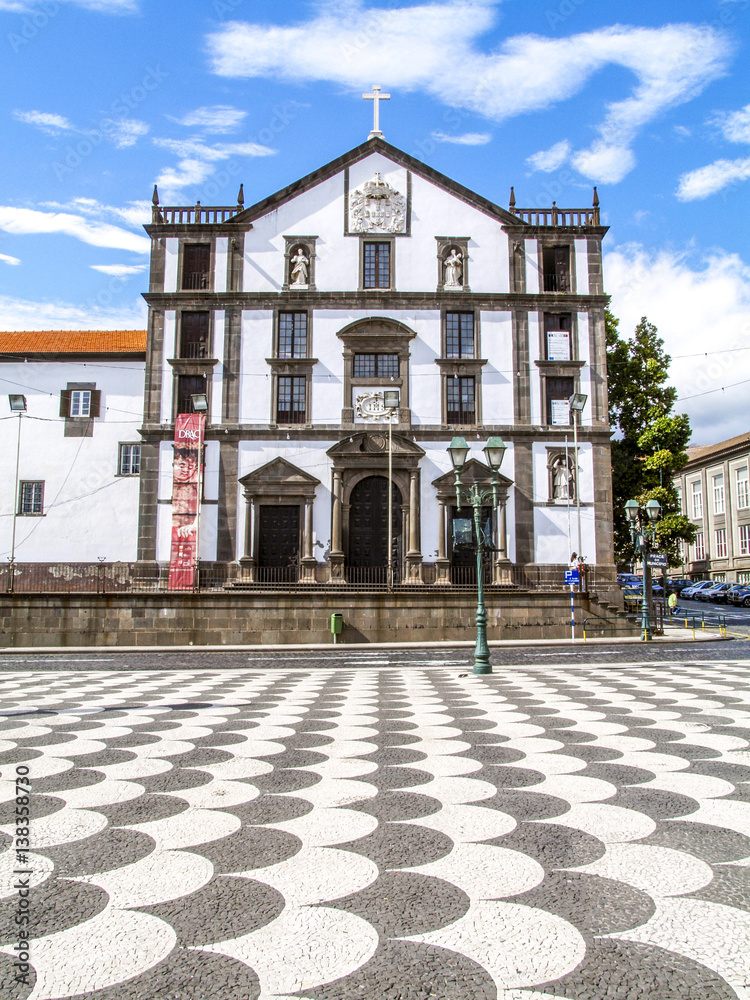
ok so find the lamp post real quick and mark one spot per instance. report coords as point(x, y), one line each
point(17, 405)
point(200, 405)
point(390, 402)
point(643, 536)
point(476, 497)
point(577, 402)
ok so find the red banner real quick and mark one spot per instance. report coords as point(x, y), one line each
point(187, 481)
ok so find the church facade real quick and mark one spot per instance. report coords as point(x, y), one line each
point(290, 320)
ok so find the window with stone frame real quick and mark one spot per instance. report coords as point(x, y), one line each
point(77, 404)
point(376, 265)
point(556, 269)
point(460, 399)
point(718, 485)
point(459, 335)
point(721, 543)
point(187, 387)
point(743, 494)
point(194, 334)
point(558, 336)
point(696, 494)
point(196, 266)
point(558, 392)
point(375, 366)
point(292, 335)
point(744, 540)
point(31, 498)
point(291, 399)
point(699, 548)
point(129, 460)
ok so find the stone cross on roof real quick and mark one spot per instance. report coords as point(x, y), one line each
point(376, 97)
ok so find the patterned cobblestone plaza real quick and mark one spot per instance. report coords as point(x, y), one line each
point(578, 832)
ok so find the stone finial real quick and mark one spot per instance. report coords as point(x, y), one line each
point(155, 198)
point(241, 197)
point(156, 216)
point(512, 202)
point(596, 198)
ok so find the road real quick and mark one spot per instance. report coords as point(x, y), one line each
point(369, 823)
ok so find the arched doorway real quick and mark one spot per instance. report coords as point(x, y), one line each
point(368, 530)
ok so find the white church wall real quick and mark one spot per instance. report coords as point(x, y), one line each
point(497, 375)
point(532, 266)
point(255, 374)
point(425, 379)
point(171, 263)
point(89, 511)
point(535, 379)
point(220, 264)
point(584, 354)
point(167, 375)
point(218, 374)
point(556, 526)
point(582, 266)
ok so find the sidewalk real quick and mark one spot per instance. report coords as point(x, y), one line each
point(671, 634)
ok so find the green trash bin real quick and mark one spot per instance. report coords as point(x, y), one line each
point(337, 625)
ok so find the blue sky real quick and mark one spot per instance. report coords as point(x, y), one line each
point(649, 101)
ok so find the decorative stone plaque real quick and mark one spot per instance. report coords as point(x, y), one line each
point(376, 207)
point(369, 405)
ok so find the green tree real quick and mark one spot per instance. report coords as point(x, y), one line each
point(649, 441)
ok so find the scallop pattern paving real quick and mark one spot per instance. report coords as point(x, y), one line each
point(578, 833)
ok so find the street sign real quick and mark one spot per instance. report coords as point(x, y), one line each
point(657, 559)
point(572, 576)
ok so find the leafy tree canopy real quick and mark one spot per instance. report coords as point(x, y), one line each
point(649, 441)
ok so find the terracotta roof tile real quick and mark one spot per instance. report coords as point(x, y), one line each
point(699, 452)
point(73, 342)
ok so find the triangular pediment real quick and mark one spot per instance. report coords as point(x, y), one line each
point(397, 156)
point(373, 443)
point(473, 472)
point(279, 473)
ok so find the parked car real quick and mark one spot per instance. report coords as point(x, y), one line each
point(625, 579)
point(729, 596)
point(689, 593)
point(716, 593)
point(636, 590)
point(677, 586)
point(742, 597)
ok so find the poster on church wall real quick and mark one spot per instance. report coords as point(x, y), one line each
point(560, 412)
point(186, 497)
point(558, 345)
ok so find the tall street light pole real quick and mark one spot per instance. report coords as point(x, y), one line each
point(391, 403)
point(643, 536)
point(17, 405)
point(476, 498)
point(577, 403)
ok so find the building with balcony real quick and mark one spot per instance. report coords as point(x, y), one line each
point(714, 493)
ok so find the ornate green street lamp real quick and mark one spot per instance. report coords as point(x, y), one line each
point(643, 536)
point(475, 497)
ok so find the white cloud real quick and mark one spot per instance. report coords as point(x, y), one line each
point(705, 181)
point(214, 119)
point(118, 270)
point(550, 159)
point(52, 124)
point(24, 314)
point(127, 131)
point(434, 48)
point(735, 125)
point(467, 139)
point(198, 160)
point(6, 259)
point(700, 304)
point(101, 6)
point(28, 221)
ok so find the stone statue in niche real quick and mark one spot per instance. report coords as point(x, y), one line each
point(454, 267)
point(561, 481)
point(377, 207)
point(300, 268)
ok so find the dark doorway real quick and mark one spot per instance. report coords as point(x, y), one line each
point(278, 544)
point(463, 556)
point(368, 531)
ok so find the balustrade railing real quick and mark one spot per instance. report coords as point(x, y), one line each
point(571, 218)
point(191, 215)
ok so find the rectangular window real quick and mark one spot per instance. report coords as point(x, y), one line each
point(697, 498)
point(194, 335)
point(291, 405)
point(719, 494)
point(743, 494)
point(460, 400)
point(557, 328)
point(31, 498)
point(743, 577)
point(196, 266)
point(699, 547)
point(80, 402)
point(556, 269)
point(293, 335)
point(187, 387)
point(130, 460)
point(559, 391)
point(721, 543)
point(745, 539)
point(459, 335)
point(375, 366)
point(377, 265)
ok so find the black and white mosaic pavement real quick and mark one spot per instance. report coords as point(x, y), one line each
point(331, 834)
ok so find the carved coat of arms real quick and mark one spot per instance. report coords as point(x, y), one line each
point(370, 406)
point(376, 207)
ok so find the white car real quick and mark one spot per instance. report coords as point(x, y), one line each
point(689, 592)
